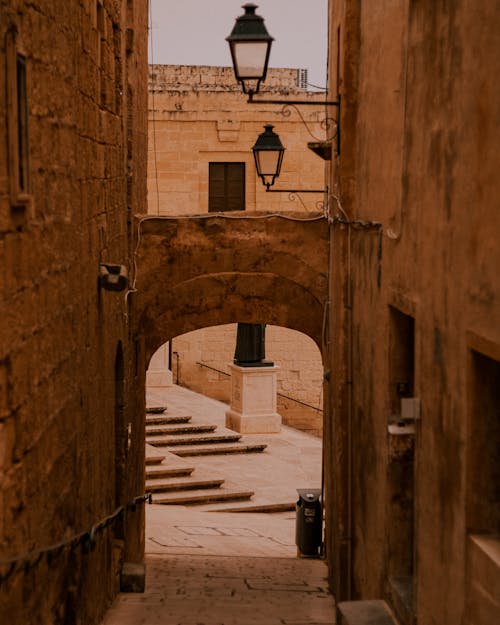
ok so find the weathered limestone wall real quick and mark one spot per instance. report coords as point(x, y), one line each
point(71, 443)
point(419, 154)
point(198, 115)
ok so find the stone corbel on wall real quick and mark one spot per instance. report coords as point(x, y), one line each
point(228, 129)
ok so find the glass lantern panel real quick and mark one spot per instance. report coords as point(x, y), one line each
point(250, 58)
point(268, 162)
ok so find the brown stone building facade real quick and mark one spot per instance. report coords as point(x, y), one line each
point(414, 510)
point(73, 111)
point(200, 127)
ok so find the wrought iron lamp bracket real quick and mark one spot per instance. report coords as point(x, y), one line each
point(296, 102)
point(325, 123)
point(268, 190)
point(294, 194)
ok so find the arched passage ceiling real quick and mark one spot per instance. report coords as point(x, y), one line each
point(199, 271)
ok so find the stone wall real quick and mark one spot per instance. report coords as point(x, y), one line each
point(186, 79)
point(198, 115)
point(68, 414)
point(417, 309)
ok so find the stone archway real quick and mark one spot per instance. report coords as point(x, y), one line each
point(197, 271)
point(226, 298)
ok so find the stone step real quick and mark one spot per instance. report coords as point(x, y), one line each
point(170, 441)
point(178, 429)
point(210, 450)
point(165, 419)
point(156, 409)
point(182, 484)
point(263, 507)
point(158, 472)
point(203, 496)
point(368, 612)
point(154, 460)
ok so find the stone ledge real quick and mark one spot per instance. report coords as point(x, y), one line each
point(369, 612)
point(133, 577)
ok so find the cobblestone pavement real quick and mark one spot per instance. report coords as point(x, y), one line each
point(221, 568)
point(224, 590)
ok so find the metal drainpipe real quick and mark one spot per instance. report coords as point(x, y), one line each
point(325, 344)
point(323, 430)
point(348, 305)
point(347, 536)
point(326, 388)
point(349, 323)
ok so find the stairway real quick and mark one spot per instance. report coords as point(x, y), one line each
point(170, 478)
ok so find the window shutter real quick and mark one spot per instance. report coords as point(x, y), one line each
point(226, 188)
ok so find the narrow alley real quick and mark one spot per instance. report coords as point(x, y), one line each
point(173, 181)
point(205, 566)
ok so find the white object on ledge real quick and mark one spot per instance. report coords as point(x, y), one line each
point(410, 408)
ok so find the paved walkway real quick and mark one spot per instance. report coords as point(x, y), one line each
point(200, 590)
point(221, 568)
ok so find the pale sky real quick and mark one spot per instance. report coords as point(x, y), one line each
point(193, 32)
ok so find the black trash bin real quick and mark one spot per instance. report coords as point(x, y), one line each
point(309, 522)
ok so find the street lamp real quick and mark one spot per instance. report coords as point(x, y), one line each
point(268, 154)
point(250, 45)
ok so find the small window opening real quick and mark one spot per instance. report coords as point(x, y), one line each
point(483, 475)
point(226, 187)
point(401, 354)
point(17, 121)
point(22, 124)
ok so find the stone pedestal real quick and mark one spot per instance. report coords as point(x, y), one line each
point(253, 400)
point(158, 374)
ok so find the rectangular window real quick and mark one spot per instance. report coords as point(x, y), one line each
point(401, 358)
point(226, 187)
point(483, 461)
point(22, 124)
point(482, 440)
point(17, 121)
